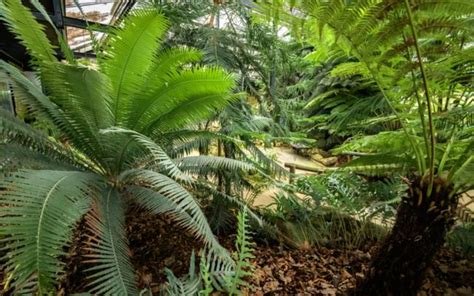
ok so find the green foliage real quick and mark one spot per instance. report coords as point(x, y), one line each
point(351, 193)
point(113, 122)
point(461, 238)
point(214, 274)
point(402, 49)
point(241, 255)
point(303, 223)
point(31, 229)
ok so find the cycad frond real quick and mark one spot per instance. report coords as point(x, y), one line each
point(32, 96)
point(29, 31)
point(112, 273)
point(205, 163)
point(203, 88)
point(87, 96)
point(183, 200)
point(158, 159)
point(183, 142)
point(14, 157)
point(66, 50)
point(39, 211)
point(130, 54)
point(16, 132)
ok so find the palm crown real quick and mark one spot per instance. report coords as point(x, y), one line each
point(112, 119)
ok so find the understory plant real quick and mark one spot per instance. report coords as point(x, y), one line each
point(112, 120)
point(214, 274)
point(419, 55)
point(329, 217)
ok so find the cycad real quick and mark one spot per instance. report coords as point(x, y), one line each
point(111, 119)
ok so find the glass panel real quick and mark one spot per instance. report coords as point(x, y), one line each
point(99, 11)
point(80, 40)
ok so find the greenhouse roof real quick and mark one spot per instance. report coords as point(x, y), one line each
point(72, 17)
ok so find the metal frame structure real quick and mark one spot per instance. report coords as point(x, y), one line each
point(12, 51)
point(15, 53)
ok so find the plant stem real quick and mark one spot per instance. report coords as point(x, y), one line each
point(428, 99)
point(418, 101)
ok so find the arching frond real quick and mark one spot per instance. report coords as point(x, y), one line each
point(158, 157)
point(183, 142)
point(206, 89)
point(130, 54)
point(39, 211)
point(112, 273)
point(179, 196)
point(16, 132)
point(66, 50)
point(14, 157)
point(203, 163)
point(31, 34)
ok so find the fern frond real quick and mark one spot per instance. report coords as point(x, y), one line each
point(348, 69)
point(380, 165)
point(241, 255)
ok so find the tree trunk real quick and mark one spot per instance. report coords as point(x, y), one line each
point(419, 232)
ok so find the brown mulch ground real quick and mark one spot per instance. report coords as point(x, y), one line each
point(156, 243)
point(323, 271)
point(282, 271)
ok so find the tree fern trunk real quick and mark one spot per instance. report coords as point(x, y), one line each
point(419, 232)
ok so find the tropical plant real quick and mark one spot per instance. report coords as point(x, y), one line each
point(336, 210)
point(418, 54)
point(461, 239)
point(114, 119)
point(215, 275)
point(353, 194)
point(341, 106)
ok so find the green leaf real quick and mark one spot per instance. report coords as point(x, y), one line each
point(30, 33)
point(196, 223)
point(130, 54)
point(39, 211)
point(112, 273)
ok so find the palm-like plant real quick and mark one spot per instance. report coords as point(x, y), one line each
point(112, 120)
point(414, 51)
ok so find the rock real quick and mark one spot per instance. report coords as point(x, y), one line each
point(330, 161)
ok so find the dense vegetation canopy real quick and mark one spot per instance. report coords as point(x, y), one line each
point(294, 124)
